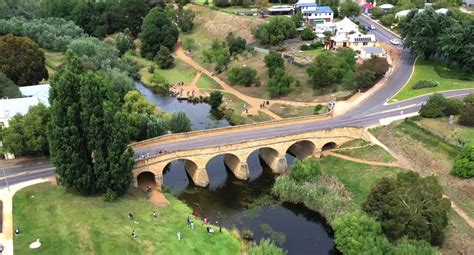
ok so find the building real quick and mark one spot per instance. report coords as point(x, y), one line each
point(442, 11)
point(32, 95)
point(358, 40)
point(404, 13)
point(469, 3)
point(369, 51)
point(319, 29)
point(386, 7)
point(306, 5)
point(346, 27)
point(367, 8)
point(277, 10)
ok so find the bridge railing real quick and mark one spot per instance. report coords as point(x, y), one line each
point(197, 133)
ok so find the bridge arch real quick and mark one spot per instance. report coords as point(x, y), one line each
point(196, 172)
point(273, 158)
point(329, 146)
point(302, 149)
point(237, 166)
point(147, 179)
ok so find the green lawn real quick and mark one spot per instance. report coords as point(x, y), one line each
point(179, 72)
point(71, 224)
point(205, 82)
point(354, 143)
point(370, 152)
point(424, 70)
point(357, 178)
point(288, 111)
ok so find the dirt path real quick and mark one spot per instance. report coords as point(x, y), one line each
point(461, 213)
point(371, 163)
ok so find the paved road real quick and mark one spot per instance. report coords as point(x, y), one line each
point(25, 171)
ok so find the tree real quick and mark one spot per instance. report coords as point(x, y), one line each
point(456, 44)
point(243, 75)
point(157, 31)
point(273, 61)
point(8, 89)
point(236, 44)
point(357, 233)
point(179, 122)
point(21, 60)
point(279, 84)
point(421, 32)
point(26, 135)
point(370, 71)
point(453, 106)
point(221, 3)
point(464, 164)
point(188, 43)
point(388, 19)
point(365, 79)
point(410, 246)
point(184, 19)
point(219, 54)
point(329, 69)
point(327, 39)
point(215, 99)
point(298, 18)
point(349, 9)
point(469, 99)
point(87, 133)
point(26, 8)
point(304, 170)
point(275, 31)
point(163, 58)
point(124, 41)
point(411, 206)
point(434, 106)
point(308, 33)
point(467, 115)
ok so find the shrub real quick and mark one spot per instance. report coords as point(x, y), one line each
point(244, 76)
point(110, 196)
point(407, 246)
point(464, 164)
point(304, 170)
point(312, 46)
point(215, 99)
point(469, 99)
point(163, 58)
point(247, 234)
point(453, 106)
point(425, 84)
point(317, 109)
point(275, 31)
point(434, 106)
point(467, 115)
point(357, 233)
point(274, 61)
point(388, 20)
point(307, 34)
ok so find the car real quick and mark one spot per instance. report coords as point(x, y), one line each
point(372, 27)
point(395, 41)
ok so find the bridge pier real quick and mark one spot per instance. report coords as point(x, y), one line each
point(276, 162)
point(240, 170)
point(317, 153)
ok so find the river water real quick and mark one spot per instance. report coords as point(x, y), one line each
point(246, 205)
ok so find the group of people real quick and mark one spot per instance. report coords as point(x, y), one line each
point(265, 103)
point(130, 217)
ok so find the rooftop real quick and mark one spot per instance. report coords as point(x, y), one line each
point(320, 9)
point(39, 91)
point(11, 107)
point(373, 50)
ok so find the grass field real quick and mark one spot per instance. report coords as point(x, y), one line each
point(205, 82)
point(357, 178)
point(309, 55)
point(424, 70)
point(370, 153)
point(53, 60)
point(288, 111)
point(451, 133)
point(71, 224)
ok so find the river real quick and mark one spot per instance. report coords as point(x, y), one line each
point(246, 205)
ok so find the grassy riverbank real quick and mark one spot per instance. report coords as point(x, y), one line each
point(67, 223)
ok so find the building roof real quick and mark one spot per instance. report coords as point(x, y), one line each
point(358, 37)
point(306, 4)
point(39, 91)
point(373, 50)
point(368, 6)
point(442, 11)
point(346, 25)
point(324, 9)
point(11, 107)
point(386, 6)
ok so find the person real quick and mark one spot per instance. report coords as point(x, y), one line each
point(210, 230)
point(206, 220)
point(17, 231)
point(192, 225)
point(2, 248)
point(188, 221)
point(130, 216)
point(154, 215)
point(268, 102)
point(179, 235)
point(134, 235)
point(196, 214)
point(220, 229)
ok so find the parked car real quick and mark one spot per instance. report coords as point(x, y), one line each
point(395, 41)
point(372, 27)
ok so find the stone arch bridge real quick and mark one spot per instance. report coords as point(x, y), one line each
point(272, 151)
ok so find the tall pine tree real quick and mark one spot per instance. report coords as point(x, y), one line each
point(88, 134)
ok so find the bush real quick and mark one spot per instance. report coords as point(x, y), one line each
point(464, 164)
point(244, 76)
point(317, 109)
point(452, 74)
point(388, 20)
point(304, 170)
point(308, 34)
point(215, 99)
point(453, 106)
point(434, 106)
point(407, 246)
point(469, 99)
point(266, 247)
point(467, 115)
point(110, 196)
point(425, 84)
point(247, 234)
point(312, 46)
point(179, 122)
point(357, 233)
point(274, 61)
point(163, 58)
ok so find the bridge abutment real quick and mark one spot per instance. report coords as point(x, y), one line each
point(240, 169)
point(274, 160)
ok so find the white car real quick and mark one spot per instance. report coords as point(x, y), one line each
point(395, 41)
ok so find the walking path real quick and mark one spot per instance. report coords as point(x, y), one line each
point(362, 161)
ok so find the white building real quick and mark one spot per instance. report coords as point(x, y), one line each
point(346, 27)
point(32, 95)
point(442, 11)
point(321, 14)
point(368, 52)
point(276, 10)
point(319, 29)
point(306, 5)
point(359, 40)
point(386, 7)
